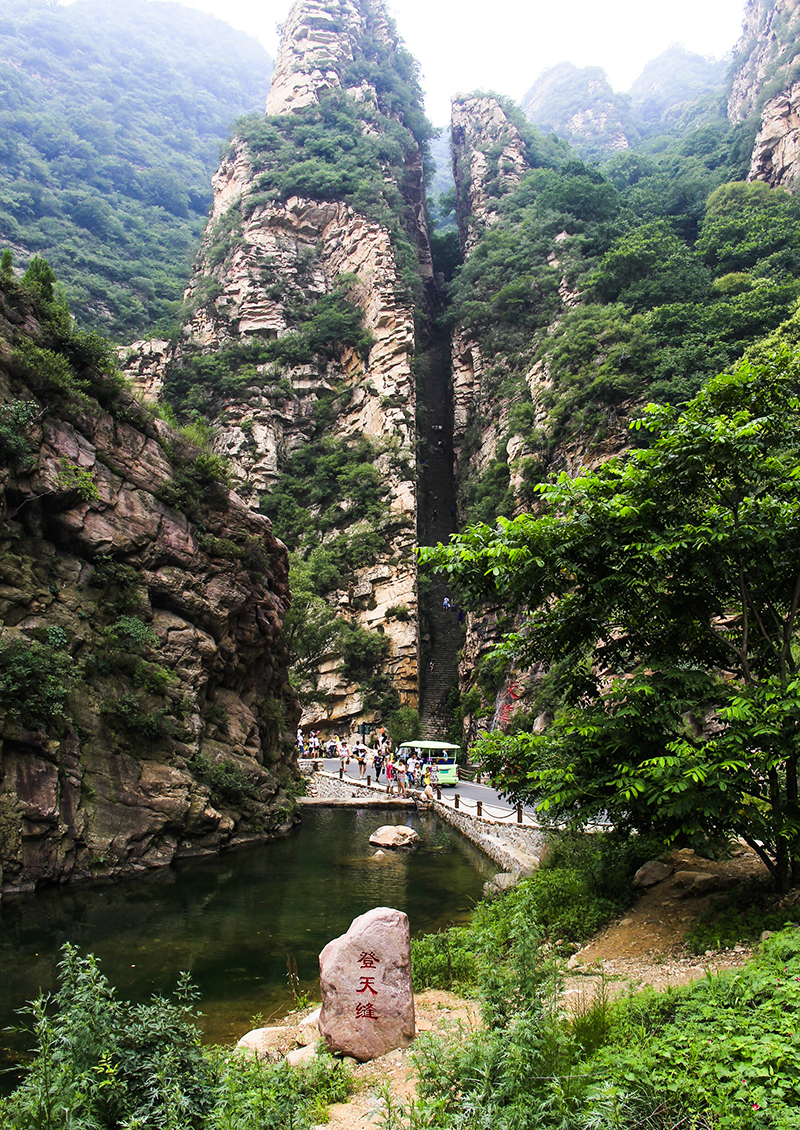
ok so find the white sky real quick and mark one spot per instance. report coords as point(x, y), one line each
point(503, 45)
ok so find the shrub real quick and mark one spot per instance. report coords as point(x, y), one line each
point(102, 1063)
point(362, 651)
point(34, 680)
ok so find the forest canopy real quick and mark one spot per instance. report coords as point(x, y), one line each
point(112, 115)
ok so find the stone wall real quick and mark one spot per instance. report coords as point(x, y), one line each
point(514, 847)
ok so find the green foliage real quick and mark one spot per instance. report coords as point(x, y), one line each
point(326, 327)
point(15, 421)
point(326, 485)
point(34, 679)
point(362, 651)
point(666, 585)
point(101, 1064)
point(131, 713)
point(723, 1055)
point(650, 267)
point(106, 155)
point(403, 725)
point(585, 880)
point(740, 916)
point(227, 782)
point(199, 480)
point(488, 495)
point(717, 1054)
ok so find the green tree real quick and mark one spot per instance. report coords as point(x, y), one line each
point(311, 628)
point(649, 267)
point(668, 585)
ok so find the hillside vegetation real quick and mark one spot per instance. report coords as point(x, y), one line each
point(112, 115)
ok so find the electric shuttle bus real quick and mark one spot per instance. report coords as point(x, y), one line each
point(439, 754)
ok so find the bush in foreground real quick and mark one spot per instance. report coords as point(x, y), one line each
point(105, 1064)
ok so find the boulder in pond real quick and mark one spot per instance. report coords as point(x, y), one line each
point(394, 836)
point(365, 977)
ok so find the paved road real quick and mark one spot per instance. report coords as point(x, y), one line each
point(470, 794)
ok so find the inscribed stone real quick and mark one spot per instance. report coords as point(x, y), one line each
point(365, 977)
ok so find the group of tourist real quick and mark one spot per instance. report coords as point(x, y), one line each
point(404, 768)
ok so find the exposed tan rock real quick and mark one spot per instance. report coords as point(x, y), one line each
point(776, 152)
point(267, 1043)
point(307, 245)
point(316, 43)
point(766, 30)
point(394, 836)
point(652, 872)
point(480, 127)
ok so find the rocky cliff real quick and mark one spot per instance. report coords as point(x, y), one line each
point(764, 55)
point(305, 233)
point(143, 673)
point(765, 87)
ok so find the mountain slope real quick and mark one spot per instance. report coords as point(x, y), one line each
point(112, 113)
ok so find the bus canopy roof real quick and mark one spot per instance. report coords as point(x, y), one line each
point(428, 745)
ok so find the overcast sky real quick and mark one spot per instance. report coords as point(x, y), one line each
point(504, 44)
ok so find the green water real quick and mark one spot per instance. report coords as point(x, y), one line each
point(232, 921)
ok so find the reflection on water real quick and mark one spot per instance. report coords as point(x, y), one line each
point(232, 921)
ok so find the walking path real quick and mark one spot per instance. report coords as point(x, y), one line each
point(469, 795)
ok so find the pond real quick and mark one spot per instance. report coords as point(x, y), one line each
point(233, 921)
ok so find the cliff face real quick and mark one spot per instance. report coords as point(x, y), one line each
point(318, 40)
point(776, 153)
point(765, 83)
point(143, 670)
point(488, 151)
point(268, 257)
point(503, 397)
point(764, 54)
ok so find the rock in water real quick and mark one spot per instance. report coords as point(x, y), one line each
point(365, 976)
point(394, 836)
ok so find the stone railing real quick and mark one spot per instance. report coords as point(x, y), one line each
point(514, 847)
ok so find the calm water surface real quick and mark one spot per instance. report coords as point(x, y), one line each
point(232, 921)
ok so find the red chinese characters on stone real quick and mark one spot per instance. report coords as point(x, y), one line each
point(366, 1011)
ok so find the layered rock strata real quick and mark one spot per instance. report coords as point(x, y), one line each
point(317, 41)
point(776, 153)
point(764, 53)
point(764, 82)
point(486, 146)
point(285, 255)
point(163, 629)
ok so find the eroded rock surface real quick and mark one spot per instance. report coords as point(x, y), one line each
point(394, 836)
point(286, 254)
point(150, 603)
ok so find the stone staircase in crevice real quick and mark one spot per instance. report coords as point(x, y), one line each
point(442, 635)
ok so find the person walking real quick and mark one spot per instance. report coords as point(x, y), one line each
point(377, 764)
point(361, 757)
point(389, 775)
